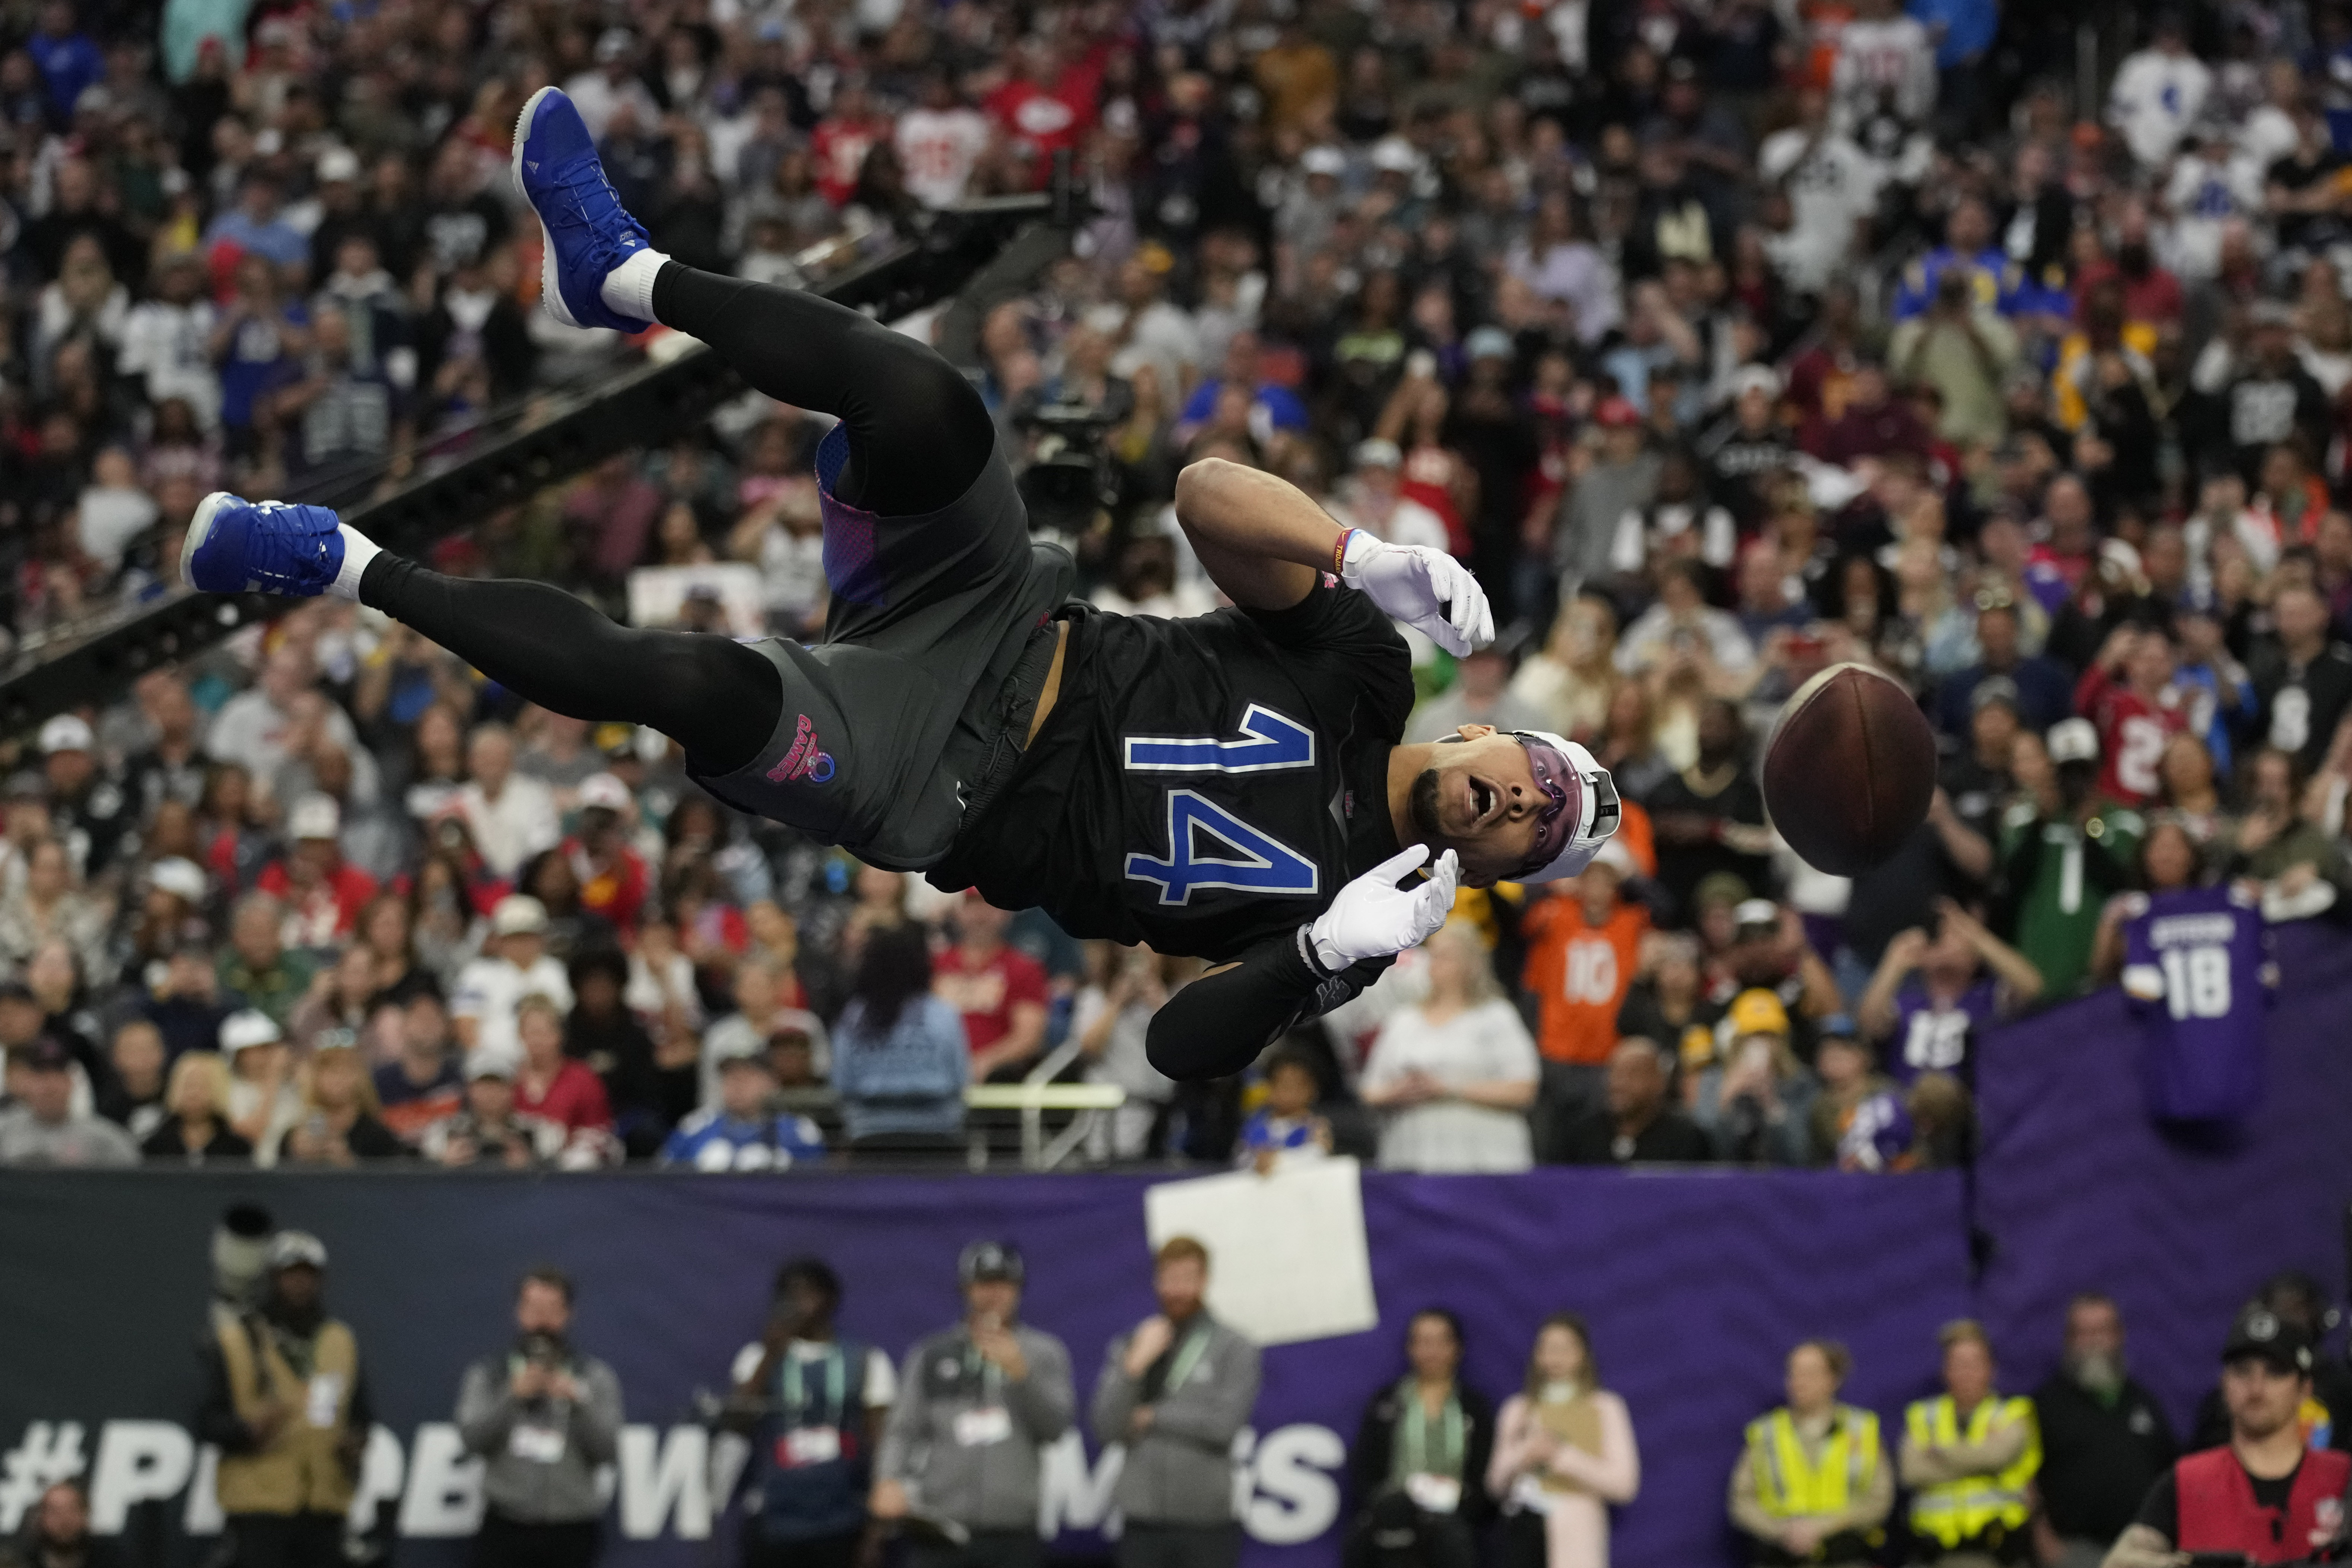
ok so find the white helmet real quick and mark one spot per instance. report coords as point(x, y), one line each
point(1586, 799)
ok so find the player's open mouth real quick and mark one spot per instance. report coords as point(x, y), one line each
point(1485, 800)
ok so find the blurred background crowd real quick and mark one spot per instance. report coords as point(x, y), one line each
point(2005, 349)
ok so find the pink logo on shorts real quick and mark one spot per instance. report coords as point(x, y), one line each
point(803, 761)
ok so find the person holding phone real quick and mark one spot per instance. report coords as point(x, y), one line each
point(978, 1405)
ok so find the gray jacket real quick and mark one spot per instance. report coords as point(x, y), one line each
point(1181, 1470)
point(540, 1455)
point(967, 1442)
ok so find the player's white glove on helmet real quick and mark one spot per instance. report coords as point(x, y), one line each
point(1426, 589)
point(1373, 917)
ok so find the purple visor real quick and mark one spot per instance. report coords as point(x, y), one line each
point(1580, 803)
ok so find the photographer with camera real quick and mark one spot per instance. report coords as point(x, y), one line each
point(543, 1417)
point(287, 1403)
point(2265, 1498)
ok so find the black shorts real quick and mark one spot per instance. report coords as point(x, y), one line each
point(936, 642)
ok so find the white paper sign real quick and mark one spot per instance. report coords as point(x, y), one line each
point(1288, 1257)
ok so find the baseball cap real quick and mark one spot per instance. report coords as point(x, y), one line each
point(743, 1047)
point(604, 791)
point(1750, 378)
point(2260, 1333)
point(1324, 161)
point(1616, 857)
point(1838, 1026)
point(1488, 342)
point(518, 914)
point(1758, 1012)
point(493, 1061)
point(314, 816)
point(66, 732)
point(180, 878)
point(2073, 740)
point(989, 1260)
point(45, 1054)
point(1717, 888)
point(247, 1027)
point(1616, 414)
point(1753, 912)
point(337, 164)
point(1378, 453)
point(1584, 809)
point(1994, 688)
point(1394, 155)
point(295, 1249)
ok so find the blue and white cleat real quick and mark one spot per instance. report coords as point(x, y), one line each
point(238, 546)
point(589, 233)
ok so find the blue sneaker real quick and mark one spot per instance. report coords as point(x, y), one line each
point(589, 233)
point(238, 546)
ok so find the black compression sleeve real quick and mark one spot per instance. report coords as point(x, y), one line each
point(1216, 1025)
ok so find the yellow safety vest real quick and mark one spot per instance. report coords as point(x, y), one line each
point(1973, 1506)
point(298, 1471)
point(1790, 1486)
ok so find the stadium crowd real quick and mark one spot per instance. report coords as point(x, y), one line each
point(1725, 340)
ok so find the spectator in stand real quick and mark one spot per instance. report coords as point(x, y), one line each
point(555, 1088)
point(2104, 1440)
point(2130, 697)
point(815, 1403)
point(40, 1127)
point(1177, 1389)
point(256, 970)
point(744, 1132)
point(2062, 851)
point(1969, 1457)
point(1710, 817)
point(510, 815)
point(1756, 1104)
point(1584, 946)
point(1111, 1020)
point(978, 1405)
point(262, 1099)
point(1421, 1454)
point(487, 1129)
point(2038, 691)
point(1858, 1120)
point(2263, 1494)
point(544, 1417)
point(287, 1402)
point(999, 990)
point(1933, 993)
point(339, 1125)
point(900, 1060)
point(132, 1097)
point(423, 1082)
point(514, 964)
point(2302, 677)
point(196, 1130)
point(1286, 1127)
point(56, 1531)
point(1636, 1126)
point(1813, 1484)
point(1564, 1451)
point(322, 892)
point(1453, 1076)
point(614, 882)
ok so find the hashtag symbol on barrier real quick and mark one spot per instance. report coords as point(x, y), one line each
point(48, 1454)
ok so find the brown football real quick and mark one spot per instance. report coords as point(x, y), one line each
point(1850, 768)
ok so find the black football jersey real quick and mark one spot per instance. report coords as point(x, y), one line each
point(1201, 784)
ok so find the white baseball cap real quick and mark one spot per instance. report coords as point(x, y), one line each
point(604, 791)
point(493, 1061)
point(2073, 740)
point(66, 732)
point(314, 816)
point(245, 1028)
point(518, 914)
point(179, 877)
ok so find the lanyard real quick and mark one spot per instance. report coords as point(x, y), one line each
point(989, 1375)
point(1413, 1438)
point(837, 1385)
point(1188, 1356)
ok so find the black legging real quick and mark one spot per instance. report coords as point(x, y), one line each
point(918, 436)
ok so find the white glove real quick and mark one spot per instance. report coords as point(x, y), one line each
point(1373, 917)
point(1426, 589)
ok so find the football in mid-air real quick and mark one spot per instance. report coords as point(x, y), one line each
point(1850, 768)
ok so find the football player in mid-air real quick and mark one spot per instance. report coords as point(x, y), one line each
point(1229, 786)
